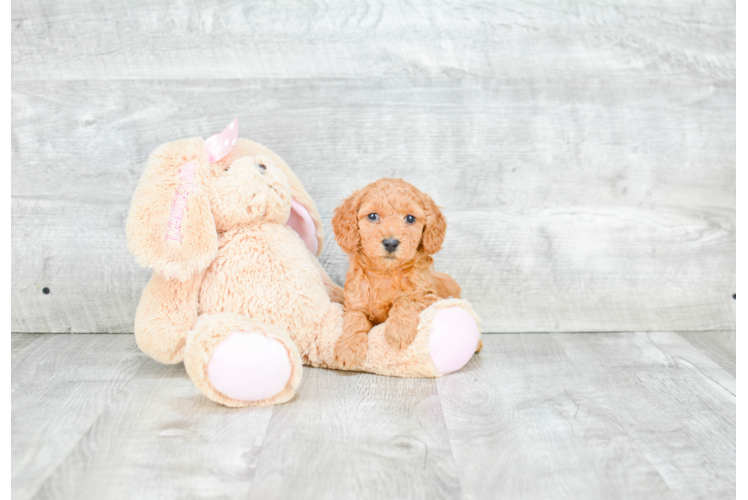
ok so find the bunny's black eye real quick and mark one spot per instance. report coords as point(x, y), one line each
point(373, 217)
point(410, 219)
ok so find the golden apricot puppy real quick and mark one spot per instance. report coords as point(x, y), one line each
point(390, 229)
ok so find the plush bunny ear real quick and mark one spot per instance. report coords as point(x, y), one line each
point(435, 229)
point(170, 227)
point(304, 218)
point(300, 220)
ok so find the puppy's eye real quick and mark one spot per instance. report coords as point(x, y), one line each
point(410, 219)
point(373, 217)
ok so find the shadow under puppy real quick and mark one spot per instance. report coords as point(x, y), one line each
point(390, 229)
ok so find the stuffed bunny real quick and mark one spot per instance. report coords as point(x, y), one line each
point(237, 292)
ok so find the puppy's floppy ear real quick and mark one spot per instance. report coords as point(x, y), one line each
point(170, 228)
point(345, 223)
point(435, 228)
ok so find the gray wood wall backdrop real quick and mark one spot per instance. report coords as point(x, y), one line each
point(583, 152)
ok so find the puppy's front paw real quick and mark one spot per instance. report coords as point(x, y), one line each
point(399, 332)
point(350, 350)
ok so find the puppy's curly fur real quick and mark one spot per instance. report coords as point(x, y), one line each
point(390, 229)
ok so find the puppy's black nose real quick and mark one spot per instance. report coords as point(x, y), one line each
point(390, 244)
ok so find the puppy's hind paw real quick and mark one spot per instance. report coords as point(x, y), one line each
point(335, 293)
point(480, 346)
point(350, 351)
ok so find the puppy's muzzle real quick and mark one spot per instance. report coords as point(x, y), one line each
point(390, 244)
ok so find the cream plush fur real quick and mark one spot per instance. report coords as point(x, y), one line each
point(241, 268)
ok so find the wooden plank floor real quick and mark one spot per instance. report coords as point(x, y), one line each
point(605, 415)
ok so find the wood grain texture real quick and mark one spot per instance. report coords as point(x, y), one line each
point(739, 156)
point(583, 416)
point(592, 416)
point(140, 39)
point(740, 240)
point(695, 454)
point(162, 439)
point(60, 384)
point(357, 435)
point(572, 206)
point(719, 346)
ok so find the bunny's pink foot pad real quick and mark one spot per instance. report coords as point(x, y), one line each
point(454, 338)
point(249, 366)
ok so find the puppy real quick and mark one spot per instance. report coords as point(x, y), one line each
point(390, 229)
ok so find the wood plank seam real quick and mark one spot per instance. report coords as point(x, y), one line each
point(93, 423)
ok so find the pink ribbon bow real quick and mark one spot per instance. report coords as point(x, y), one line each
point(218, 145)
